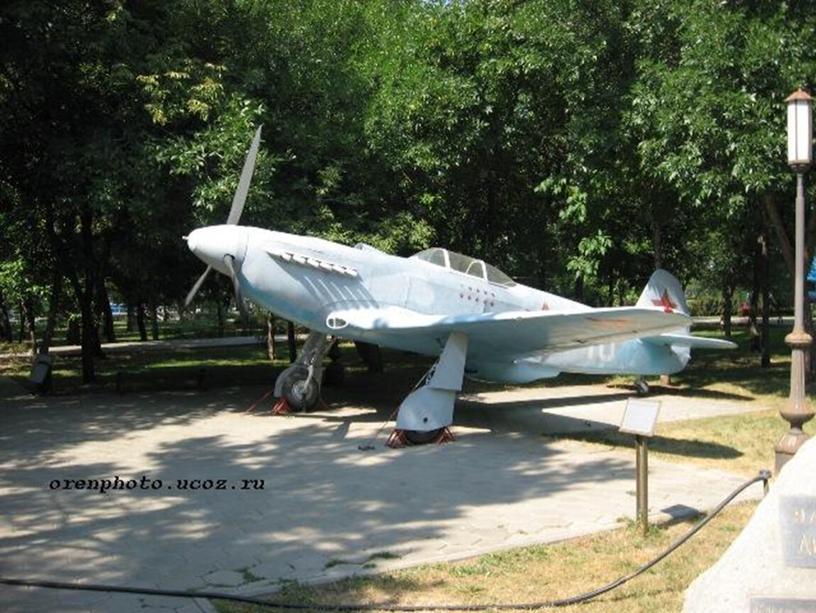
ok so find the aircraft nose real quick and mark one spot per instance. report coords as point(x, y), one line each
point(213, 243)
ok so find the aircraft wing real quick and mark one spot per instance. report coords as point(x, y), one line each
point(518, 332)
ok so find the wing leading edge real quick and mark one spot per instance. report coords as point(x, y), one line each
point(687, 340)
point(519, 332)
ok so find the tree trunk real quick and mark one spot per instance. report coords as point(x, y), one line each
point(53, 309)
point(290, 339)
point(21, 317)
point(753, 304)
point(104, 308)
point(781, 233)
point(140, 322)
point(579, 288)
point(727, 295)
point(29, 316)
point(154, 323)
point(787, 246)
point(219, 313)
point(610, 290)
point(91, 347)
point(130, 326)
point(87, 325)
point(6, 332)
point(764, 274)
point(657, 243)
point(270, 336)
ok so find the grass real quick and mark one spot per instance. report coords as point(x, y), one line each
point(369, 562)
point(543, 572)
point(736, 443)
point(151, 371)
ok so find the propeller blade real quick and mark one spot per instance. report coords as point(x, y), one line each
point(236, 285)
point(196, 287)
point(243, 183)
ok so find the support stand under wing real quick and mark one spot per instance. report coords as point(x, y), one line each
point(430, 407)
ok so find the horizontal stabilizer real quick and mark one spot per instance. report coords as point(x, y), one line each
point(687, 340)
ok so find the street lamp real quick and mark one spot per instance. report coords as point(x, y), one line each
point(800, 154)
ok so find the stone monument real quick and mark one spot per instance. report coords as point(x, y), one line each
point(771, 566)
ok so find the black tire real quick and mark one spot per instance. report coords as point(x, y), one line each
point(299, 396)
point(641, 388)
point(418, 437)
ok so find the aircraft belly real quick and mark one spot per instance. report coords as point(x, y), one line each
point(517, 372)
point(629, 357)
point(422, 344)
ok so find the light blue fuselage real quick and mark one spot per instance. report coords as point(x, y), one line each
point(307, 294)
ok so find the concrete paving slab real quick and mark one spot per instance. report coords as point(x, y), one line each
point(250, 500)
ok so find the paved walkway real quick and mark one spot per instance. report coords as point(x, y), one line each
point(326, 509)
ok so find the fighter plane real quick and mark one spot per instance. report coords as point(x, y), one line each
point(476, 319)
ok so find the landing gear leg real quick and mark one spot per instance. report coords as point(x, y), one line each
point(641, 387)
point(298, 387)
point(426, 413)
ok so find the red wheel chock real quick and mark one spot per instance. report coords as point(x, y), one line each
point(397, 439)
point(446, 436)
point(281, 407)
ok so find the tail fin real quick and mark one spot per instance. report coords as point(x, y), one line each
point(663, 290)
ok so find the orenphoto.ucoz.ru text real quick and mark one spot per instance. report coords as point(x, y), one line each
point(144, 482)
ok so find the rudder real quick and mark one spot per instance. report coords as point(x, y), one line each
point(664, 290)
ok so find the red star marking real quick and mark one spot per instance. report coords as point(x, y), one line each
point(665, 302)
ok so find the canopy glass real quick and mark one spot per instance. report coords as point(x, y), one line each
point(464, 264)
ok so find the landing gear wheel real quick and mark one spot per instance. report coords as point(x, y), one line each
point(418, 437)
point(641, 387)
point(301, 397)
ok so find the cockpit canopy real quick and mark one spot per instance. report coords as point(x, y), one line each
point(464, 264)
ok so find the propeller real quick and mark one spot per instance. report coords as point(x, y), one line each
point(229, 260)
point(238, 201)
point(191, 294)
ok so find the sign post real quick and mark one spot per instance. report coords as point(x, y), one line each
point(640, 419)
point(642, 471)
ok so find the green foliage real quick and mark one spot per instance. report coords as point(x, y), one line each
point(575, 144)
